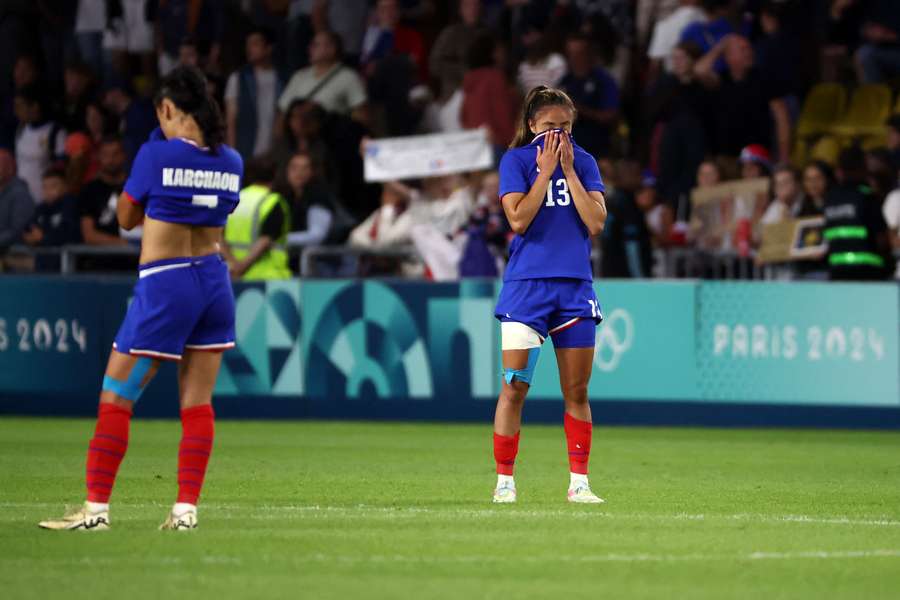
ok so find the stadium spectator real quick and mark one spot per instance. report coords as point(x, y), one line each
point(177, 20)
point(55, 221)
point(855, 228)
point(787, 196)
point(667, 33)
point(256, 233)
point(302, 131)
point(129, 35)
point(390, 225)
point(892, 141)
point(82, 146)
point(78, 90)
point(136, 116)
point(448, 61)
point(251, 96)
point(818, 178)
point(878, 59)
point(648, 13)
point(25, 73)
point(97, 201)
point(778, 53)
point(659, 216)
point(16, 204)
point(708, 227)
point(488, 233)
point(188, 54)
point(439, 215)
point(626, 239)
point(719, 23)
point(386, 36)
point(90, 22)
point(595, 94)
point(891, 213)
point(40, 140)
point(327, 81)
point(541, 65)
point(679, 113)
point(743, 90)
point(747, 208)
point(348, 19)
point(488, 98)
point(839, 22)
point(311, 203)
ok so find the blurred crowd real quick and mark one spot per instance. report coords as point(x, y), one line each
point(672, 95)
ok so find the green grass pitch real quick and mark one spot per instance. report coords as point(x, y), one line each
point(362, 510)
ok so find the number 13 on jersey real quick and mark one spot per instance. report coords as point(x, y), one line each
point(562, 193)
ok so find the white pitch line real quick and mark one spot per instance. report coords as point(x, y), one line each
point(471, 559)
point(364, 511)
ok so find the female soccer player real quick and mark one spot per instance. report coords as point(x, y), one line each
point(183, 184)
point(552, 194)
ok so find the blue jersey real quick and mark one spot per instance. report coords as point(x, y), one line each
point(556, 243)
point(178, 182)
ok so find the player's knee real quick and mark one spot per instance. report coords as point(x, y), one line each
point(576, 392)
point(514, 393)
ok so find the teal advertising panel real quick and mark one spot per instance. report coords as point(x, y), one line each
point(373, 339)
point(644, 347)
point(345, 349)
point(798, 343)
point(55, 335)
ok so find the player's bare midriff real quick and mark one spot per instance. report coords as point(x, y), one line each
point(163, 240)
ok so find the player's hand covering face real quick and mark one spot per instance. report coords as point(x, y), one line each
point(566, 154)
point(548, 156)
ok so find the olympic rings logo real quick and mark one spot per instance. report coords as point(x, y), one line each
point(614, 338)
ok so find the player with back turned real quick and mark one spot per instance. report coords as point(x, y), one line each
point(552, 194)
point(183, 185)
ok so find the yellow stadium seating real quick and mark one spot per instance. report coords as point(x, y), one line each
point(822, 109)
point(869, 108)
point(826, 149)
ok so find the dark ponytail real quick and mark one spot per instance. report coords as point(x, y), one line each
point(186, 88)
point(538, 99)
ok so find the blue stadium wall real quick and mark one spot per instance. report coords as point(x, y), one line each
point(704, 353)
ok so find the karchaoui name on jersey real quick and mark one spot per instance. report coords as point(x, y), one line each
point(198, 178)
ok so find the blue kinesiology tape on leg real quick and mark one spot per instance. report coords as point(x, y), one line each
point(130, 389)
point(524, 375)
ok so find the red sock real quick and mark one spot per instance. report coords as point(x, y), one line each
point(197, 432)
point(106, 450)
point(578, 437)
point(505, 449)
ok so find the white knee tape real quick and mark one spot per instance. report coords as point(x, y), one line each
point(519, 336)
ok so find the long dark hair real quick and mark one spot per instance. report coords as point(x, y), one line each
point(538, 99)
point(186, 88)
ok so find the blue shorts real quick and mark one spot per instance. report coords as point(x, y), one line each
point(179, 303)
point(565, 309)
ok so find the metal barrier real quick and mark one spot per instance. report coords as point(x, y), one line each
point(671, 263)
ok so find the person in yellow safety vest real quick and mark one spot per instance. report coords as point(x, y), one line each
point(256, 232)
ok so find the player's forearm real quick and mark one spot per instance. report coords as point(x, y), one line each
point(591, 209)
point(526, 209)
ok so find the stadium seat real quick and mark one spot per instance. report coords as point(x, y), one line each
point(799, 152)
point(826, 149)
point(874, 141)
point(823, 107)
point(869, 108)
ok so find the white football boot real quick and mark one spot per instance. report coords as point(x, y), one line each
point(581, 493)
point(182, 517)
point(84, 518)
point(505, 493)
